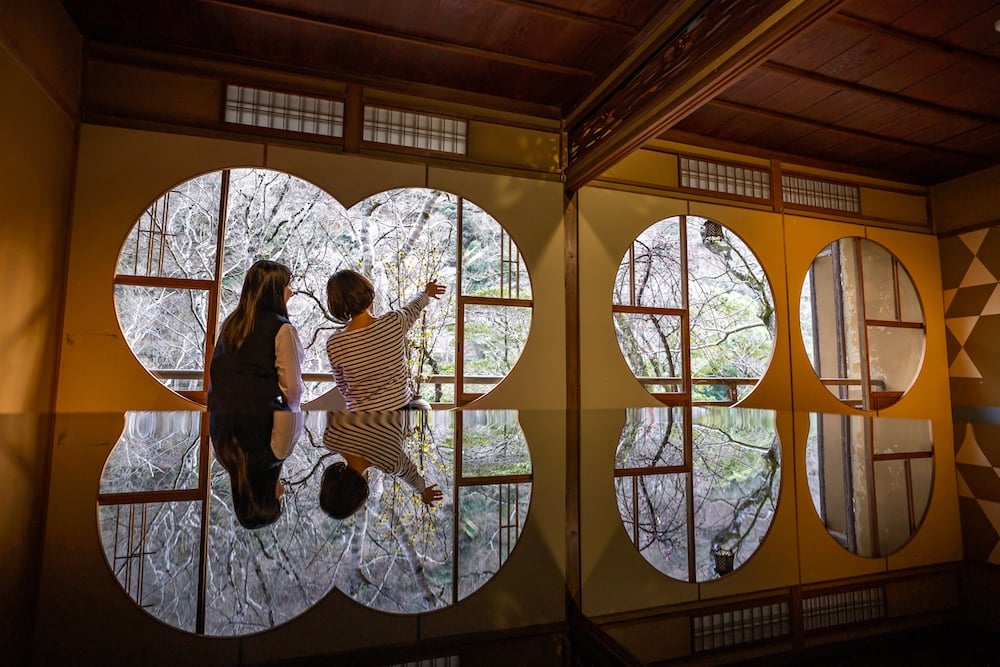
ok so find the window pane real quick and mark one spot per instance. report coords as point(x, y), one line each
point(491, 263)
point(731, 305)
point(892, 495)
point(736, 484)
point(894, 356)
point(156, 451)
point(651, 438)
point(261, 578)
point(721, 504)
point(165, 329)
point(922, 476)
point(722, 287)
point(652, 347)
point(870, 505)
point(490, 521)
point(493, 444)
point(839, 297)
point(650, 275)
point(654, 511)
point(909, 302)
point(153, 550)
point(176, 236)
point(894, 436)
point(494, 338)
point(276, 216)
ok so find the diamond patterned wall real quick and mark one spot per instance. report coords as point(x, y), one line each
point(970, 269)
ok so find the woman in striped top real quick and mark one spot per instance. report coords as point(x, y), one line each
point(368, 356)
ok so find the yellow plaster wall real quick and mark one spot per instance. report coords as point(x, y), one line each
point(40, 80)
point(895, 206)
point(646, 167)
point(491, 143)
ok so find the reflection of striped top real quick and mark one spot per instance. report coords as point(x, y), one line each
point(376, 437)
point(369, 364)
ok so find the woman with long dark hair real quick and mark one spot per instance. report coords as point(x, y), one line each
point(255, 393)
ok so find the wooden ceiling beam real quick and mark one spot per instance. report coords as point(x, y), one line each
point(881, 95)
point(919, 41)
point(848, 132)
point(567, 15)
point(381, 34)
point(662, 27)
point(712, 51)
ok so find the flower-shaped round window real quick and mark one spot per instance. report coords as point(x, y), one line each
point(693, 312)
point(182, 265)
point(862, 323)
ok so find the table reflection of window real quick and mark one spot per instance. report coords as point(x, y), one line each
point(395, 555)
point(870, 479)
point(167, 526)
point(697, 487)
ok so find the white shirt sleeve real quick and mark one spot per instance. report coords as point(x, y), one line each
point(288, 362)
point(286, 432)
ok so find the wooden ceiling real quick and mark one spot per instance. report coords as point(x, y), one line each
point(902, 89)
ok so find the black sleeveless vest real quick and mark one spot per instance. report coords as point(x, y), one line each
point(247, 381)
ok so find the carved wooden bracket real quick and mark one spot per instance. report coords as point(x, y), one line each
point(707, 54)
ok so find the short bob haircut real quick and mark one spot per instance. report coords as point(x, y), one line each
point(343, 491)
point(348, 293)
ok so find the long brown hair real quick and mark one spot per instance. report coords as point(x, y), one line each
point(263, 289)
point(255, 499)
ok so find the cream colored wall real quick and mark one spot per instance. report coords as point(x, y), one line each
point(798, 549)
point(40, 84)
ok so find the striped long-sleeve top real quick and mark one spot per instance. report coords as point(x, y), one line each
point(377, 437)
point(369, 364)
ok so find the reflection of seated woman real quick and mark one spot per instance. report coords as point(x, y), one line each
point(366, 440)
point(252, 448)
point(255, 393)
